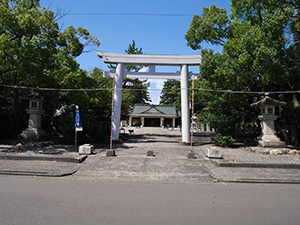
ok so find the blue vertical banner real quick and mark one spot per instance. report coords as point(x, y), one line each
point(78, 125)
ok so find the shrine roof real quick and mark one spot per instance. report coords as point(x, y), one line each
point(154, 110)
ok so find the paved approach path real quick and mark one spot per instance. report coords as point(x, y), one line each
point(169, 165)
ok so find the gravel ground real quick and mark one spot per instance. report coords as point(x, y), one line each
point(253, 154)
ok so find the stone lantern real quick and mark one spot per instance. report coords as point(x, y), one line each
point(267, 117)
point(34, 131)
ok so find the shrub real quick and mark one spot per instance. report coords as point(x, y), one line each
point(223, 141)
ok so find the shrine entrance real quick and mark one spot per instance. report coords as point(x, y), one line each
point(152, 122)
point(151, 61)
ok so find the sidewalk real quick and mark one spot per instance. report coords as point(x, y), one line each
point(37, 168)
point(169, 165)
point(43, 159)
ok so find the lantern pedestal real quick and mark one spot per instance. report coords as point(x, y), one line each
point(268, 138)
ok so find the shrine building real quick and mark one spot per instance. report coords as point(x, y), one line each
point(153, 116)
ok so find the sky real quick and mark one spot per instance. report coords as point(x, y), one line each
point(156, 32)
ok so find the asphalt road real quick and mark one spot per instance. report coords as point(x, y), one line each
point(28, 200)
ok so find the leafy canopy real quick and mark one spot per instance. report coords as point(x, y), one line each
point(260, 41)
point(170, 94)
point(35, 52)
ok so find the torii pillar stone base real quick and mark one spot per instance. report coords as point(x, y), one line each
point(269, 139)
point(110, 153)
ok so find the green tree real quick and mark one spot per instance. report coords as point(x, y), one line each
point(170, 94)
point(132, 49)
point(35, 52)
point(260, 53)
point(95, 107)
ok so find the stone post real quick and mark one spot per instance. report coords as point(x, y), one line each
point(143, 121)
point(130, 121)
point(161, 122)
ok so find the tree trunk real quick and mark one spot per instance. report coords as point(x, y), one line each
point(294, 135)
point(16, 112)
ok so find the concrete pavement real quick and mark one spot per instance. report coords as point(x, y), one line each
point(169, 165)
point(37, 168)
point(41, 159)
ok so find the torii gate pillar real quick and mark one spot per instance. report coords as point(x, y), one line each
point(117, 100)
point(151, 60)
point(185, 113)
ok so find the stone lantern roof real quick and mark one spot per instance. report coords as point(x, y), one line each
point(268, 101)
point(34, 96)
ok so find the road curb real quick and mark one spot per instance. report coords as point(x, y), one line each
point(256, 165)
point(79, 159)
point(38, 174)
point(265, 181)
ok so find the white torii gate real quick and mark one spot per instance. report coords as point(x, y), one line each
point(151, 61)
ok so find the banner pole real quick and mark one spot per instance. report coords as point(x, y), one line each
point(75, 140)
point(192, 124)
point(112, 114)
point(78, 125)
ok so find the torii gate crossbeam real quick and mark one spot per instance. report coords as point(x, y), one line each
point(151, 60)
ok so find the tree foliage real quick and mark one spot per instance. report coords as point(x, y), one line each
point(94, 106)
point(35, 52)
point(170, 94)
point(260, 53)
